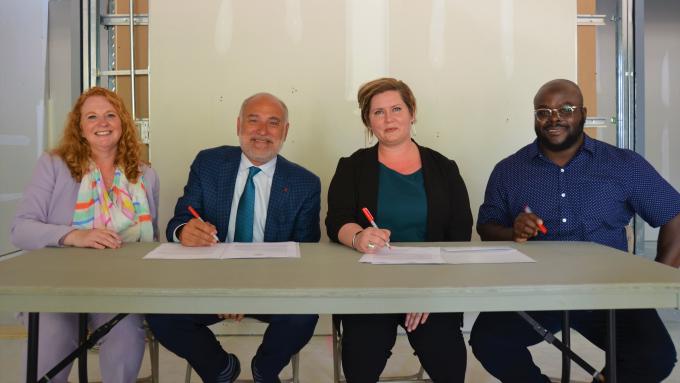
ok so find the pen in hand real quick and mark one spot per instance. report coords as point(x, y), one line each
point(541, 227)
point(370, 219)
point(195, 214)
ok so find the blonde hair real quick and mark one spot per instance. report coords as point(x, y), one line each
point(74, 149)
point(375, 87)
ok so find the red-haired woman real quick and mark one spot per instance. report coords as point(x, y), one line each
point(92, 190)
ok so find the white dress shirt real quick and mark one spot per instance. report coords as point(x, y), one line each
point(263, 186)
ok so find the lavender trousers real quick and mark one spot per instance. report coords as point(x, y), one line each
point(120, 351)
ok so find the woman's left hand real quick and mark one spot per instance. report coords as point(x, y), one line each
point(414, 319)
point(95, 238)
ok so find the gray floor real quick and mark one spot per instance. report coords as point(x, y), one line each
point(316, 357)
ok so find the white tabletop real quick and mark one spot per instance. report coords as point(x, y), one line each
point(329, 279)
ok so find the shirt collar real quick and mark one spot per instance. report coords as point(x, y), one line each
point(588, 144)
point(534, 150)
point(267, 168)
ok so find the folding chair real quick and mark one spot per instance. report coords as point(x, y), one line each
point(294, 361)
point(338, 377)
point(153, 356)
point(566, 342)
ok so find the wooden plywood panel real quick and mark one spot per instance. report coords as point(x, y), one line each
point(586, 41)
point(141, 53)
point(122, 38)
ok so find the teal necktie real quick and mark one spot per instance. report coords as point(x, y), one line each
point(246, 209)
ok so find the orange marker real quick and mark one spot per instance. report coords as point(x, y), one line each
point(370, 219)
point(541, 227)
point(195, 214)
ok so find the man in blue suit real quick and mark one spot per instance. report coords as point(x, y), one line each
point(244, 194)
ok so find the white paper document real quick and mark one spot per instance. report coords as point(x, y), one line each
point(227, 251)
point(398, 255)
point(445, 255)
point(469, 254)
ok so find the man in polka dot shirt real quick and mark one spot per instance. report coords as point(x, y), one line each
point(580, 189)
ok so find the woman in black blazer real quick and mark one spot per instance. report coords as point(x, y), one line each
point(416, 194)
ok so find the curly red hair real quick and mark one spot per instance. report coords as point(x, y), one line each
point(75, 150)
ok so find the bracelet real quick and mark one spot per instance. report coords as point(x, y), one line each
point(354, 238)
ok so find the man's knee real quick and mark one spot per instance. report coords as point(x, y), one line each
point(161, 325)
point(655, 366)
point(301, 321)
point(664, 367)
point(481, 339)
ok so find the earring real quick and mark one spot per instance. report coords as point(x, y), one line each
point(413, 129)
point(368, 138)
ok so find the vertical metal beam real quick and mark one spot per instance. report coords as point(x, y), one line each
point(132, 59)
point(85, 47)
point(111, 55)
point(639, 64)
point(630, 89)
point(625, 75)
point(639, 125)
point(93, 23)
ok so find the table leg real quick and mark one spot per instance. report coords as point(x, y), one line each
point(611, 347)
point(566, 340)
point(32, 357)
point(82, 358)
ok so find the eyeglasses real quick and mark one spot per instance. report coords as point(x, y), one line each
point(564, 111)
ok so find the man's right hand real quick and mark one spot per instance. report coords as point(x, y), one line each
point(236, 317)
point(525, 227)
point(198, 233)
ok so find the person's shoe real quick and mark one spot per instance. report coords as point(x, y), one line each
point(231, 372)
point(257, 376)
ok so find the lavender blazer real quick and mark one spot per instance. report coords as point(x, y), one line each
point(45, 212)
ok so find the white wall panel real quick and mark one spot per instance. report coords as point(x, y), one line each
point(474, 67)
point(23, 41)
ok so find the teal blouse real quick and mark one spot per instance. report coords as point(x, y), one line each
point(402, 205)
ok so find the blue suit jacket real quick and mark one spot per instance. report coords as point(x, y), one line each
point(293, 211)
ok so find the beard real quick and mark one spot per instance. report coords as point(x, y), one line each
point(571, 139)
point(259, 156)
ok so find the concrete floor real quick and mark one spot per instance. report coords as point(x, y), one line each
point(316, 358)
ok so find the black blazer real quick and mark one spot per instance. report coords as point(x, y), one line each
point(355, 185)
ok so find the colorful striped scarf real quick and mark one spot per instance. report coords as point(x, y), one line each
point(124, 209)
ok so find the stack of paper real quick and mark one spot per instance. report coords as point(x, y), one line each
point(445, 255)
point(404, 255)
point(227, 251)
point(469, 254)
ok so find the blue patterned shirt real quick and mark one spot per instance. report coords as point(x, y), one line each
point(592, 198)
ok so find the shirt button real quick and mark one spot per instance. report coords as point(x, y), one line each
point(564, 220)
point(562, 170)
point(563, 194)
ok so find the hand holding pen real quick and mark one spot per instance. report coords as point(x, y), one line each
point(379, 236)
point(197, 232)
point(527, 225)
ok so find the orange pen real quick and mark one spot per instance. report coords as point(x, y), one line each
point(541, 227)
point(370, 219)
point(195, 214)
